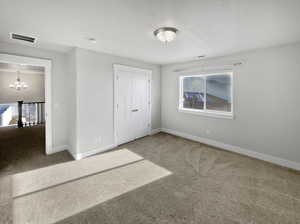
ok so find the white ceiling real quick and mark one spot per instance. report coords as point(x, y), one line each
point(125, 27)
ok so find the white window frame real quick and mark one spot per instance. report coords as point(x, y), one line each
point(206, 112)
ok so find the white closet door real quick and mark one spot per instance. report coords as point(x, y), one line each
point(133, 105)
point(140, 104)
point(124, 114)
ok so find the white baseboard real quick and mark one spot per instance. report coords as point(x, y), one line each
point(237, 149)
point(82, 155)
point(155, 131)
point(74, 155)
point(59, 148)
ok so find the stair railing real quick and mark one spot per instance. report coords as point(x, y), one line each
point(31, 113)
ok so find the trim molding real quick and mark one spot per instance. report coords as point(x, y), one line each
point(74, 156)
point(236, 149)
point(59, 148)
point(47, 64)
point(82, 155)
point(119, 68)
point(155, 131)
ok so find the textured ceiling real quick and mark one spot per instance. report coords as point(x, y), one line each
point(125, 27)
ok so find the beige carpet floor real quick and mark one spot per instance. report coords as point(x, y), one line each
point(23, 149)
point(62, 201)
point(207, 185)
point(39, 179)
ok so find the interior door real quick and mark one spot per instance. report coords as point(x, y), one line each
point(133, 105)
point(140, 104)
point(124, 113)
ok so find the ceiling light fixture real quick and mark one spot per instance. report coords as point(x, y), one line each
point(18, 85)
point(166, 34)
point(92, 40)
point(201, 56)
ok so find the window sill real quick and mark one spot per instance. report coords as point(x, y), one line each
point(207, 113)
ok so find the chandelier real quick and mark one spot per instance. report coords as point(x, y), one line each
point(18, 85)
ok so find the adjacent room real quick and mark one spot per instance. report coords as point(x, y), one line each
point(124, 112)
point(22, 116)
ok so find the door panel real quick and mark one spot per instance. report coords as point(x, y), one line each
point(124, 107)
point(133, 105)
point(140, 102)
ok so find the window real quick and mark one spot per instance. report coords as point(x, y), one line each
point(32, 114)
point(209, 94)
point(8, 114)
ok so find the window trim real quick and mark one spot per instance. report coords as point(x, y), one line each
point(206, 112)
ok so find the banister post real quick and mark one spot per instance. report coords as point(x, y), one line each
point(20, 105)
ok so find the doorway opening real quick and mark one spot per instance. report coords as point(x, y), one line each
point(25, 109)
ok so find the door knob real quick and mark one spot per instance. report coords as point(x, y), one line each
point(135, 110)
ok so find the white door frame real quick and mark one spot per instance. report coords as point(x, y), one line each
point(46, 63)
point(116, 68)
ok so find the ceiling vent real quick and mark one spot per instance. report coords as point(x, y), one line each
point(15, 36)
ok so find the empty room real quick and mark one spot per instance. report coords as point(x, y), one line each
point(137, 112)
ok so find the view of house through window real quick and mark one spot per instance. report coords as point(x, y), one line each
point(8, 114)
point(193, 92)
point(32, 113)
point(211, 93)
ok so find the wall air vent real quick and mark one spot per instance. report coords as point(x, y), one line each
point(15, 36)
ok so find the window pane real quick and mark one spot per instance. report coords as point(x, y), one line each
point(218, 93)
point(193, 92)
point(8, 114)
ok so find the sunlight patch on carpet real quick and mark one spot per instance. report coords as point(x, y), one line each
point(65, 200)
point(39, 179)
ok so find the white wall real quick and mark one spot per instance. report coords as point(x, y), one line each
point(94, 85)
point(60, 87)
point(82, 95)
point(266, 103)
point(72, 114)
point(34, 93)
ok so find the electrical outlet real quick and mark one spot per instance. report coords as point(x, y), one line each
point(98, 140)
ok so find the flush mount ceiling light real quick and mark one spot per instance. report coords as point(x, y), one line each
point(92, 40)
point(165, 34)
